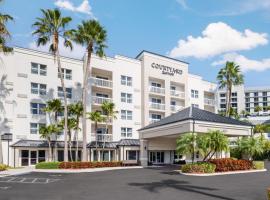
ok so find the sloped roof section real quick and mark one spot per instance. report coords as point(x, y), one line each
point(129, 142)
point(192, 113)
point(42, 144)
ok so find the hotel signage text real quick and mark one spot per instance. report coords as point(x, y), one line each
point(166, 69)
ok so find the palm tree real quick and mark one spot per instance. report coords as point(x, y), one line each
point(4, 33)
point(76, 111)
point(203, 142)
point(93, 36)
point(97, 118)
point(185, 144)
point(46, 133)
point(49, 29)
point(261, 128)
point(251, 146)
point(219, 142)
point(258, 109)
point(228, 77)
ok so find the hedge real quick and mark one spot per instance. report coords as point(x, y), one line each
point(258, 164)
point(3, 167)
point(83, 165)
point(48, 165)
point(198, 168)
point(228, 164)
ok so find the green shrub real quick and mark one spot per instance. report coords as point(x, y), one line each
point(48, 165)
point(3, 167)
point(199, 168)
point(84, 165)
point(258, 164)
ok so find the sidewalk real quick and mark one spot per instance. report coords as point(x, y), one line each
point(16, 172)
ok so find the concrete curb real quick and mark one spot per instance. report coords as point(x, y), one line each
point(223, 173)
point(91, 170)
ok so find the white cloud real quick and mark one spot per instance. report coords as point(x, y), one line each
point(245, 63)
point(183, 3)
point(77, 52)
point(84, 7)
point(218, 38)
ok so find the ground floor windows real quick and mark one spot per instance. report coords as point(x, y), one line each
point(71, 156)
point(156, 157)
point(132, 155)
point(32, 157)
point(103, 155)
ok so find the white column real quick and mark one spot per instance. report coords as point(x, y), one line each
point(144, 152)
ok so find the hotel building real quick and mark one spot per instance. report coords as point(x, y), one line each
point(144, 89)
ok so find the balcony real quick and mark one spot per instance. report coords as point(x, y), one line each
point(209, 102)
point(175, 108)
point(157, 90)
point(100, 100)
point(151, 120)
point(102, 137)
point(157, 106)
point(179, 94)
point(101, 82)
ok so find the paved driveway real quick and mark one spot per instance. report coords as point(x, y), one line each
point(137, 184)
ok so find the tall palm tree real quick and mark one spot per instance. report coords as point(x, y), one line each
point(46, 133)
point(185, 144)
point(76, 111)
point(93, 36)
point(219, 142)
point(228, 77)
point(96, 117)
point(49, 29)
point(4, 33)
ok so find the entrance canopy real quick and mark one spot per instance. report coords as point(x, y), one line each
point(193, 119)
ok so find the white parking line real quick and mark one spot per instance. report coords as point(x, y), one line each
point(4, 188)
point(27, 180)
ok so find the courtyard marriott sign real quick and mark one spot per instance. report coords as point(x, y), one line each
point(166, 69)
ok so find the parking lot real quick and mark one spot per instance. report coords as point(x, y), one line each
point(158, 183)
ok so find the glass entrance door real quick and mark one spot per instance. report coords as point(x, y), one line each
point(33, 158)
point(156, 157)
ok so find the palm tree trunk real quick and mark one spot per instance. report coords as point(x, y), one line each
point(50, 150)
point(56, 148)
point(87, 72)
point(70, 145)
point(65, 106)
point(1, 151)
point(96, 138)
point(206, 156)
point(229, 94)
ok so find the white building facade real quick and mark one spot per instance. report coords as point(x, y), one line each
point(144, 90)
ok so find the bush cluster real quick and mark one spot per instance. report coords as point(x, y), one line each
point(48, 165)
point(198, 168)
point(3, 167)
point(228, 164)
point(258, 164)
point(84, 165)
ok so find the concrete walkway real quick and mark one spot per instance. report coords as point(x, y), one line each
point(17, 171)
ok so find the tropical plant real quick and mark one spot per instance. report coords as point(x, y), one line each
point(108, 109)
point(93, 36)
point(219, 142)
point(251, 146)
point(258, 109)
point(76, 111)
point(186, 144)
point(96, 117)
point(49, 29)
point(228, 77)
point(46, 132)
point(233, 113)
point(203, 142)
point(4, 33)
point(261, 128)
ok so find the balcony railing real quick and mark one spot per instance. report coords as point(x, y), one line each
point(210, 102)
point(177, 93)
point(102, 137)
point(151, 120)
point(101, 82)
point(157, 106)
point(100, 100)
point(175, 108)
point(158, 90)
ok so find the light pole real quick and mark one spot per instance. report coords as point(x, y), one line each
point(7, 137)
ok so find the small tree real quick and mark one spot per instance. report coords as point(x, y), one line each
point(219, 142)
point(258, 109)
point(251, 146)
point(203, 142)
point(186, 144)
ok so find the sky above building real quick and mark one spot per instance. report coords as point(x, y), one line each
point(205, 34)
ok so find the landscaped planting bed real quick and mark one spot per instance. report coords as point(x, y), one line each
point(228, 164)
point(198, 168)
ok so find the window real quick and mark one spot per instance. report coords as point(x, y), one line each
point(247, 99)
point(37, 108)
point(264, 93)
point(264, 98)
point(256, 99)
point(195, 94)
point(222, 106)
point(234, 99)
point(126, 80)
point(126, 114)
point(131, 155)
point(68, 92)
point(247, 105)
point(156, 117)
point(195, 105)
point(155, 100)
point(153, 84)
point(102, 95)
point(248, 110)
point(255, 94)
point(264, 104)
point(234, 105)
point(101, 131)
point(222, 95)
point(173, 103)
point(223, 100)
point(34, 127)
point(173, 88)
point(247, 94)
point(256, 104)
point(126, 97)
point(37, 88)
point(126, 132)
point(38, 69)
point(67, 73)
point(234, 94)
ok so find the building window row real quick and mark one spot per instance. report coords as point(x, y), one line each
point(126, 80)
point(37, 108)
point(126, 114)
point(39, 69)
point(38, 88)
point(126, 132)
point(126, 97)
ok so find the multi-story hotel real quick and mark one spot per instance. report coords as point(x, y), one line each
point(144, 90)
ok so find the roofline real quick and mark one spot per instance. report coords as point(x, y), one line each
point(156, 54)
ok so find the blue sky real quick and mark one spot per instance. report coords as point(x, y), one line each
point(210, 32)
